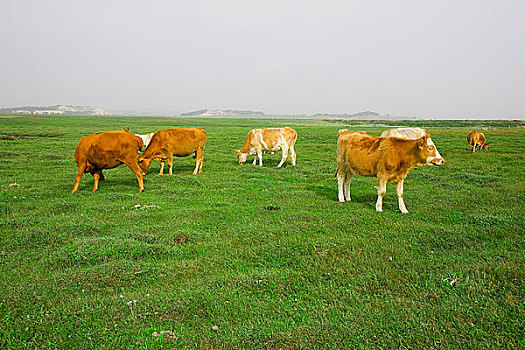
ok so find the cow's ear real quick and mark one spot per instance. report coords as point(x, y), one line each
point(238, 153)
point(422, 141)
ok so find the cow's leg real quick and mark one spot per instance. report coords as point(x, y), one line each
point(340, 182)
point(399, 188)
point(201, 159)
point(132, 164)
point(161, 167)
point(348, 180)
point(254, 159)
point(80, 173)
point(198, 162)
point(474, 149)
point(381, 190)
point(170, 164)
point(96, 177)
point(259, 155)
point(284, 157)
point(292, 155)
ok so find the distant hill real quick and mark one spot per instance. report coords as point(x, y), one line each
point(56, 110)
point(366, 115)
point(222, 113)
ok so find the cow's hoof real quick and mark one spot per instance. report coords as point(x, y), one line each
point(379, 210)
point(404, 212)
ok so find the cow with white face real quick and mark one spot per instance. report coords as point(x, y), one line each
point(387, 158)
point(411, 134)
point(271, 140)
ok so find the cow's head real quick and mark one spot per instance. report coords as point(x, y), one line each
point(144, 163)
point(242, 157)
point(485, 146)
point(428, 151)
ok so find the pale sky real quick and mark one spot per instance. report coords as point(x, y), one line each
point(416, 58)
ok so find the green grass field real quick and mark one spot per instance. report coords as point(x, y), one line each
point(203, 259)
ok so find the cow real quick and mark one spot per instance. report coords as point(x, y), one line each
point(146, 138)
point(272, 140)
point(405, 133)
point(389, 159)
point(476, 138)
point(178, 142)
point(107, 150)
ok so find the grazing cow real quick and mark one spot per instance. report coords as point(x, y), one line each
point(146, 138)
point(178, 142)
point(405, 133)
point(272, 140)
point(476, 138)
point(389, 159)
point(107, 150)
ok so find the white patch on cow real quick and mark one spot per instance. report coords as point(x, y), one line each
point(281, 144)
point(437, 157)
point(264, 145)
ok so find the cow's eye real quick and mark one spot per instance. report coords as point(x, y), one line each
point(430, 148)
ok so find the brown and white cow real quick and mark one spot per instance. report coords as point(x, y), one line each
point(389, 159)
point(107, 150)
point(178, 142)
point(272, 140)
point(405, 133)
point(476, 138)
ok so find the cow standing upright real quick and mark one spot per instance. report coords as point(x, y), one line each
point(389, 159)
point(178, 142)
point(259, 140)
point(107, 150)
point(476, 138)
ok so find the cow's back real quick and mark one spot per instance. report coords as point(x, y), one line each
point(475, 137)
point(405, 133)
point(180, 141)
point(269, 138)
point(102, 143)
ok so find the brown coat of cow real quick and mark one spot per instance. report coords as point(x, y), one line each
point(476, 138)
point(107, 150)
point(389, 159)
point(178, 142)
